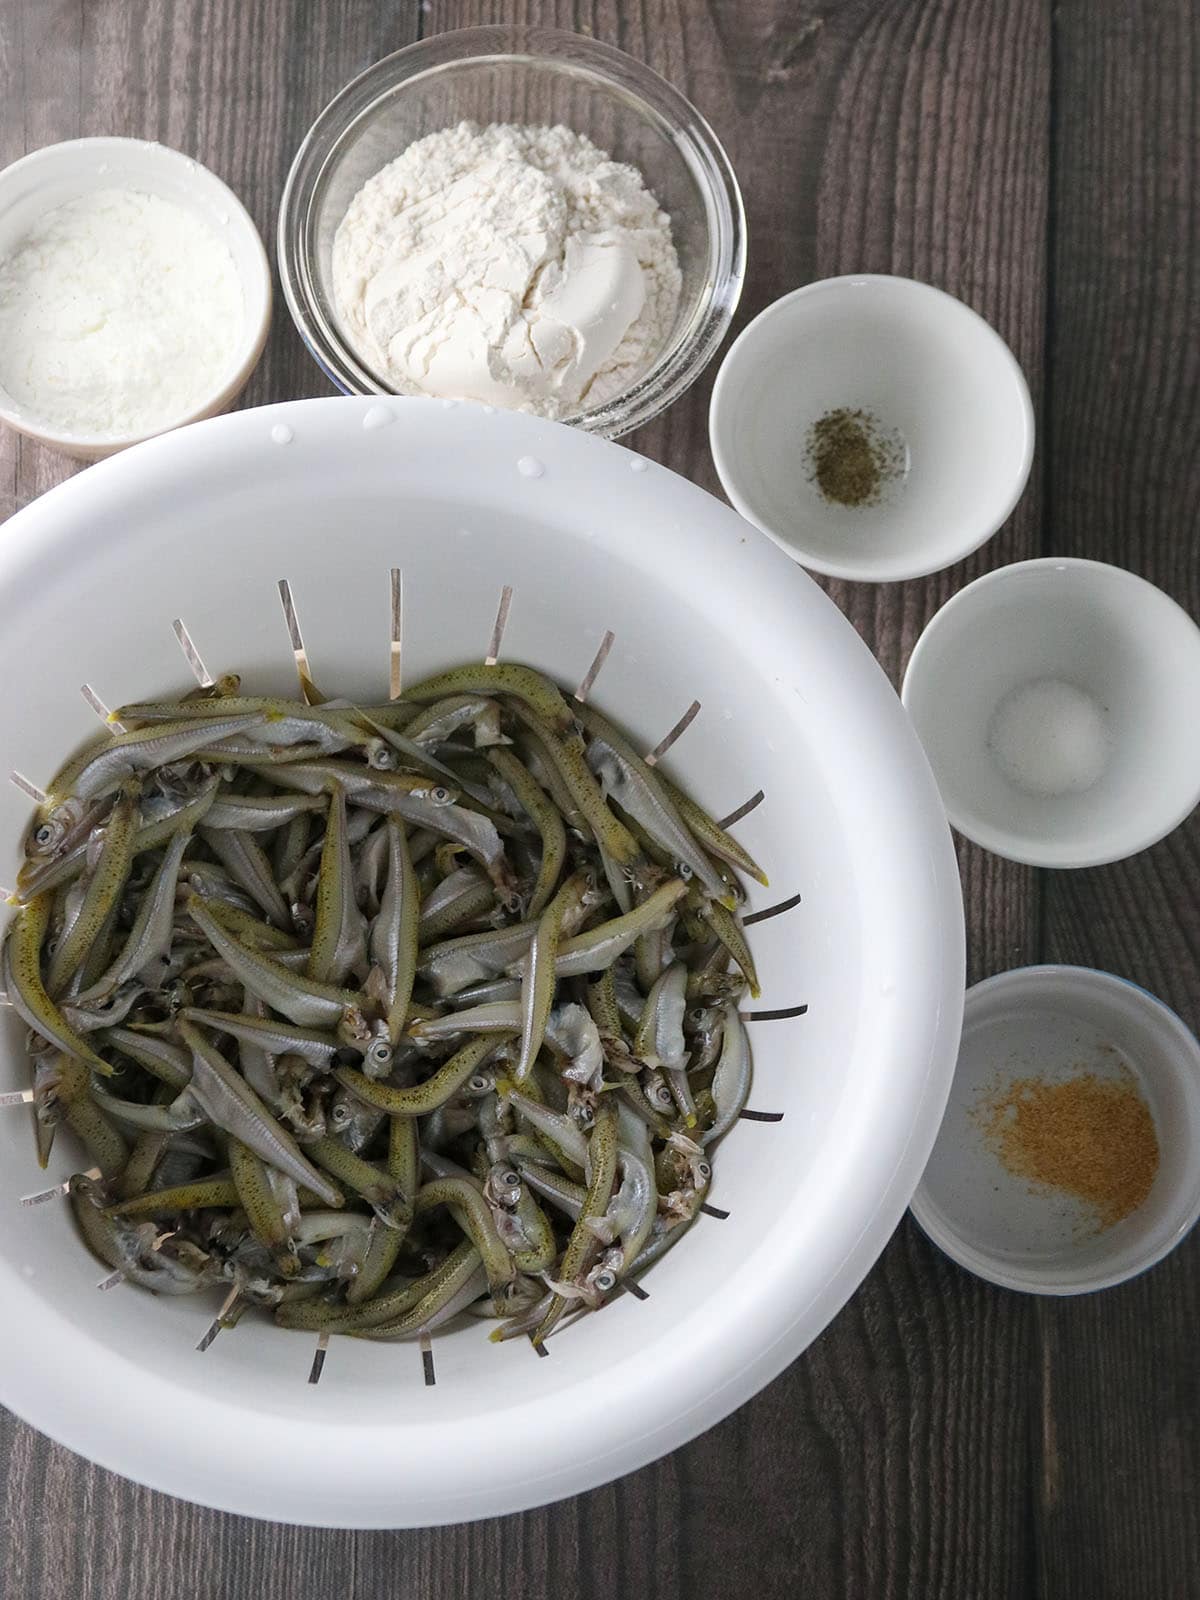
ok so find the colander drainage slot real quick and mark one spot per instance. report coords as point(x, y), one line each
point(214, 1326)
point(502, 610)
point(593, 672)
point(101, 710)
point(772, 911)
point(318, 1361)
point(20, 781)
point(668, 739)
point(426, 1346)
point(57, 1192)
point(299, 654)
point(774, 1016)
point(743, 810)
point(395, 645)
point(191, 655)
point(714, 1211)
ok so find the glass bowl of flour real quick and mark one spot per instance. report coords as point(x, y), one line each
point(520, 217)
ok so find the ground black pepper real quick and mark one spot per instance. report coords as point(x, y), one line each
point(850, 457)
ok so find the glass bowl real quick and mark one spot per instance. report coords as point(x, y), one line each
point(525, 75)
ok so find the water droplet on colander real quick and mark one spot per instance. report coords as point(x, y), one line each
point(281, 433)
point(449, 405)
point(530, 467)
point(376, 417)
point(638, 464)
point(489, 411)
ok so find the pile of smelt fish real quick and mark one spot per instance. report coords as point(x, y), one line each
point(382, 1014)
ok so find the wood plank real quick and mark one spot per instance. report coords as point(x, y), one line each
point(1120, 1492)
point(892, 1457)
point(236, 86)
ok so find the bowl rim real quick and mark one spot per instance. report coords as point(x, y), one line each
point(678, 366)
point(1001, 842)
point(917, 930)
point(721, 413)
point(249, 350)
point(1056, 980)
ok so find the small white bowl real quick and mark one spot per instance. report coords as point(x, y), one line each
point(50, 177)
point(936, 379)
point(1040, 676)
point(1049, 1022)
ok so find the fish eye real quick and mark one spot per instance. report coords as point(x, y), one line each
point(440, 795)
point(605, 1281)
point(381, 1050)
point(510, 1179)
point(45, 834)
point(381, 758)
point(703, 1170)
point(684, 871)
point(478, 1083)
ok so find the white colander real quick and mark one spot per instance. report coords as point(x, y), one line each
point(331, 495)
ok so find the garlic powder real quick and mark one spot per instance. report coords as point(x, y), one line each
point(515, 265)
point(120, 314)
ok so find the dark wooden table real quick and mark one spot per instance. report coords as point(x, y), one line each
point(942, 1440)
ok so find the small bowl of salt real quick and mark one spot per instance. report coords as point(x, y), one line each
point(135, 294)
point(1056, 700)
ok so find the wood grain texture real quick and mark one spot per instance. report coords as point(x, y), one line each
point(942, 1439)
point(236, 86)
point(1121, 1502)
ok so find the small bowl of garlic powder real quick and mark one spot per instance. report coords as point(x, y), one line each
point(1056, 700)
point(523, 218)
point(1068, 1159)
point(135, 294)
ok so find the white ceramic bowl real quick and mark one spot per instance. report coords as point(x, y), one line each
point(941, 386)
point(61, 172)
point(331, 494)
point(1041, 675)
point(1047, 1023)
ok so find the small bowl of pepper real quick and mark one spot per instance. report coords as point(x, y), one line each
point(1069, 1156)
point(874, 427)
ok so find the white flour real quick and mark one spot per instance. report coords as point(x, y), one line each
point(119, 314)
point(516, 265)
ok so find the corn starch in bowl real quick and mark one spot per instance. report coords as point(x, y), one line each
point(118, 313)
point(135, 294)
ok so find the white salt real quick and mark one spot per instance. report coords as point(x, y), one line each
point(1049, 738)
